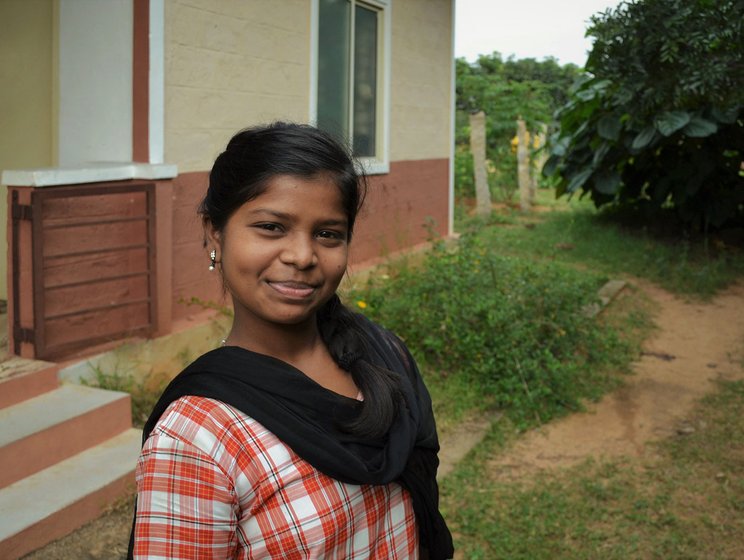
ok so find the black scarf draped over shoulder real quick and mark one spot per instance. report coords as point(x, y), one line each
point(308, 418)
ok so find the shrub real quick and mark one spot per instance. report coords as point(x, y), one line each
point(658, 124)
point(512, 325)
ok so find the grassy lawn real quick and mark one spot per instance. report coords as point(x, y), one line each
point(686, 503)
point(496, 324)
point(575, 233)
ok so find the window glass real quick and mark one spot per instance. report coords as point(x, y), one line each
point(365, 81)
point(334, 68)
point(348, 72)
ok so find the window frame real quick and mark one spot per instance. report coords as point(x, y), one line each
point(381, 162)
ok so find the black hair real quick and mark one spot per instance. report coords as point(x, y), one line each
point(255, 155)
point(241, 173)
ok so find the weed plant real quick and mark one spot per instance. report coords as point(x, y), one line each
point(144, 393)
point(511, 328)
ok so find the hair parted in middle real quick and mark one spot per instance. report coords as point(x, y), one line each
point(255, 155)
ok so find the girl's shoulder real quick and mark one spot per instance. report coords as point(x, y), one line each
point(210, 425)
point(236, 444)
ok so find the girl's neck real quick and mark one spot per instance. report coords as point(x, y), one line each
point(290, 343)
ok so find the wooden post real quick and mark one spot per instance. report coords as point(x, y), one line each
point(478, 150)
point(523, 166)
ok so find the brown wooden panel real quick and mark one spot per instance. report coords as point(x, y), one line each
point(101, 237)
point(86, 296)
point(81, 268)
point(93, 265)
point(95, 327)
point(61, 210)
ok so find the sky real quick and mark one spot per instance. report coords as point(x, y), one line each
point(526, 28)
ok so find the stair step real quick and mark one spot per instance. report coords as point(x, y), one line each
point(54, 502)
point(39, 432)
point(22, 379)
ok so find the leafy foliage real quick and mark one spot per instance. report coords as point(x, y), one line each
point(505, 90)
point(658, 123)
point(513, 326)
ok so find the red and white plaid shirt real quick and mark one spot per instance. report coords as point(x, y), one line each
point(214, 483)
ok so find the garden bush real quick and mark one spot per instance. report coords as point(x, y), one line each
point(512, 325)
point(658, 124)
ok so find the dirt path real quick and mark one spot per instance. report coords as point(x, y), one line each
point(696, 343)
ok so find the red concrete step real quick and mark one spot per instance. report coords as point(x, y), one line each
point(54, 502)
point(54, 426)
point(22, 379)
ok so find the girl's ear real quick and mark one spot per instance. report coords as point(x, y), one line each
point(212, 238)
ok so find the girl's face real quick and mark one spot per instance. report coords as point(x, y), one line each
point(284, 253)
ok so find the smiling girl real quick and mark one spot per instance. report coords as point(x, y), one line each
point(309, 432)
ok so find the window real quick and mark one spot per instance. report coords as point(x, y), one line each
point(351, 99)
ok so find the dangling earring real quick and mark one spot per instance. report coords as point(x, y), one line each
point(212, 258)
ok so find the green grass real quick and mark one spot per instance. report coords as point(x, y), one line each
point(513, 288)
point(686, 503)
point(506, 332)
point(616, 244)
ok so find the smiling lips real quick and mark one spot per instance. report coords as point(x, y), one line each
point(294, 290)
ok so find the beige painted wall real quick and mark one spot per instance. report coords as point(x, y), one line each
point(233, 64)
point(26, 112)
point(420, 88)
point(229, 65)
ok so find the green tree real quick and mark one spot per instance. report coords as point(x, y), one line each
point(657, 123)
point(505, 90)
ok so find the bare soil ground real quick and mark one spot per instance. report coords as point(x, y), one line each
point(695, 344)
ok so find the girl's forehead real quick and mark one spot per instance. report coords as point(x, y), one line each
point(301, 194)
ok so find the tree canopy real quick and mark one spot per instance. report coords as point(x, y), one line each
point(505, 90)
point(657, 122)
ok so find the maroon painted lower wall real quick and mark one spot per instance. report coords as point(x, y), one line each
point(191, 277)
point(401, 209)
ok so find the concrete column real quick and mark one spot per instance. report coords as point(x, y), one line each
point(478, 149)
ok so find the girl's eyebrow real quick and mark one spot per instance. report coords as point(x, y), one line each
point(276, 213)
point(284, 216)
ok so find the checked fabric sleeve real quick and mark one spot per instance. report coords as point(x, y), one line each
point(214, 483)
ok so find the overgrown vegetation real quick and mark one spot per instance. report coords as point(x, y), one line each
point(144, 392)
point(657, 124)
point(504, 90)
point(686, 503)
point(614, 242)
point(510, 326)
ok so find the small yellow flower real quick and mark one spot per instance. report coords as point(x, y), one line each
point(361, 304)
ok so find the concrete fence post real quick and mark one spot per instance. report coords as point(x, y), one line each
point(478, 150)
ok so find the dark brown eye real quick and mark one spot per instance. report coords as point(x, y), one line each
point(269, 227)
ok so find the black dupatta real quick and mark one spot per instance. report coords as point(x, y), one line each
point(308, 418)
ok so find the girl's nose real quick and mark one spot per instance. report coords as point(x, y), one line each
point(299, 251)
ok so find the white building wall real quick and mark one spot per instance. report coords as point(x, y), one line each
point(229, 65)
point(95, 81)
point(421, 79)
